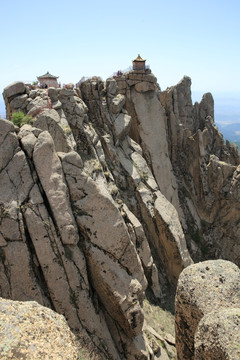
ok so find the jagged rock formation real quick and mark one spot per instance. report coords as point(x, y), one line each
point(31, 331)
point(98, 195)
point(208, 311)
point(207, 172)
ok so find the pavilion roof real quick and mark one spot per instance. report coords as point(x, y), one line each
point(139, 58)
point(47, 76)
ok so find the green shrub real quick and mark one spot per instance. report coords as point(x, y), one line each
point(19, 119)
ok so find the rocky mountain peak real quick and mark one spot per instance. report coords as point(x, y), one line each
point(109, 192)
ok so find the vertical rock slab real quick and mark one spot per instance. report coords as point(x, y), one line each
point(164, 231)
point(202, 288)
point(49, 170)
point(17, 279)
point(152, 131)
point(49, 254)
point(173, 244)
point(114, 266)
point(8, 142)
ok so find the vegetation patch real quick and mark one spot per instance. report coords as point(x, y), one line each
point(161, 320)
point(3, 212)
point(67, 130)
point(144, 175)
point(68, 253)
point(197, 236)
point(114, 190)
point(72, 297)
point(18, 118)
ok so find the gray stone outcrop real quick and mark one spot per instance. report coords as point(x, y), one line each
point(218, 335)
point(110, 192)
point(52, 180)
point(129, 157)
point(196, 147)
point(206, 294)
point(31, 331)
point(58, 128)
point(14, 89)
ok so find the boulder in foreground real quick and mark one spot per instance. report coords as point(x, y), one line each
point(31, 331)
point(205, 287)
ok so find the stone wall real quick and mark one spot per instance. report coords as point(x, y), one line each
point(49, 82)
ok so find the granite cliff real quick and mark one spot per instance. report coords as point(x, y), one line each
point(112, 191)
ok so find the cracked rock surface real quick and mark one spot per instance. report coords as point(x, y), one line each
point(111, 192)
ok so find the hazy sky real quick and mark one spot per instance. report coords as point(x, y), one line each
point(74, 38)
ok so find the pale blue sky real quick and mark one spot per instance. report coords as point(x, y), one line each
point(73, 38)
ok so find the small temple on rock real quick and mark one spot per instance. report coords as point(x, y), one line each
point(139, 63)
point(48, 80)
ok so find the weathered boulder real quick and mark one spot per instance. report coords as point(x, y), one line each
point(69, 86)
point(53, 94)
point(19, 102)
point(66, 92)
point(31, 331)
point(202, 288)
point(58, 128)
point(28, 136)
point(38, 104)
point(73, 109)
point(16, 88)
point(218, 335)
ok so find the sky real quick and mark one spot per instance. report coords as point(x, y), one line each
point(76, 38)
